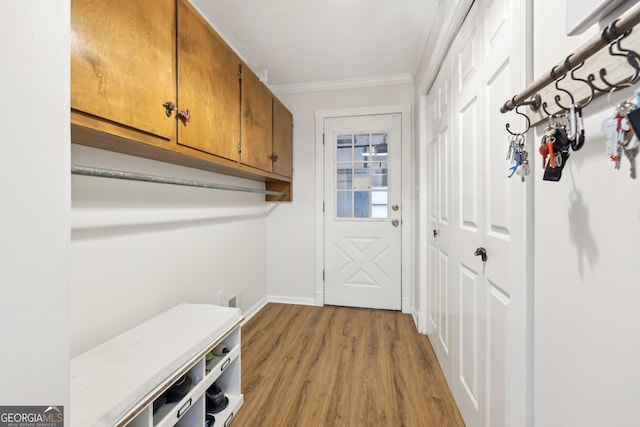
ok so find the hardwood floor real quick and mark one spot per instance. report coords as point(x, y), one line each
point(336, 366)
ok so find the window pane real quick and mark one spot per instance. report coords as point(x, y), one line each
point(344, 148)
point(345, 174)
point(379, 146)
point(362, 148)
point(361, 170)
point(379, 204)
point(344, 204)
point(379, 177)
point(362, 204)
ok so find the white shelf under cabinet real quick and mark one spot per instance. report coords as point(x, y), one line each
point(116, 383)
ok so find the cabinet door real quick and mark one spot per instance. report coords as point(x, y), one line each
point(282, 139)
point(123, 62)
point(208, 85)
point(257, 122)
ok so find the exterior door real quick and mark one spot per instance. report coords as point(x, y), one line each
point(478, 308)
point(362, 212)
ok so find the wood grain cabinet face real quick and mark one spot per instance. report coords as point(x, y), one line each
point(282, 139)
point(256, 122)
point(123, 62)
point(129, 57)
point(208, 85)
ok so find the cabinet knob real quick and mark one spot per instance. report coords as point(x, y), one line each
point(169, 108)
point(274, 157)
point(184, 115)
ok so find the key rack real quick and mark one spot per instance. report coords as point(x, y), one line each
point(577, 80)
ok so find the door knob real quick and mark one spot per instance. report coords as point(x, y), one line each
point(394, 207)
point(435, 233)
point(482, 253)
point(395, 222)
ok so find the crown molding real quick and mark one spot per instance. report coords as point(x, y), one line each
point(397, 79)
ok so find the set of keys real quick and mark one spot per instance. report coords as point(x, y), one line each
point(550, 156)
point(518, 156)
point(621, 138)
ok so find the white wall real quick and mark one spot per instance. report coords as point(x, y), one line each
point(138, 249)
point(291, 226)
point(34, 218)
point(587, 247)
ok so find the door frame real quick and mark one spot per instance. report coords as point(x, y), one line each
point(408, 242)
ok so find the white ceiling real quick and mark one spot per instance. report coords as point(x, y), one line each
point(305, 42)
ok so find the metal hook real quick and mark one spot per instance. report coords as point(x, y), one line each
point(631, 56)
point(609, 35)
point(557, 97)
point(573, 77)
point(508, 126)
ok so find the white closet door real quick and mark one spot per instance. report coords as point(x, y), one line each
point(439, 248)
point(468, 193)
point(477, 309)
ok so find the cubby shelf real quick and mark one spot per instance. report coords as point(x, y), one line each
point(116, 383)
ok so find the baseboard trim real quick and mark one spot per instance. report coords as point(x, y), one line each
point(255, 309)
point(291, 300)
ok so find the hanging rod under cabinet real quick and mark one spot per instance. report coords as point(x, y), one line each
point(134, 176)
point(614, 31)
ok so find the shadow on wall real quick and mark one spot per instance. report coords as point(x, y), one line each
point(580, 232)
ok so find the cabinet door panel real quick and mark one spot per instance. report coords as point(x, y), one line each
point(208, 86)
point(256, 124)
point(282, 139)
point(123, 62)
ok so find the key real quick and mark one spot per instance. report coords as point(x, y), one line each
point(515, 166)
point(524, 168)
point(544, 151)
point(552, 156)
point(624, 138)
point(510, 152)
point(631, 154)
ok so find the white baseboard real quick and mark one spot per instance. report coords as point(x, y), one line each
point(252, 311)
point(292, 300)
point(414, 314)
point(255, 309)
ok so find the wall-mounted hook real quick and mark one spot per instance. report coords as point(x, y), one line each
point(573, 77)
point(625, 54)
point(631, 56)
point(557, 98)
point(508, 126)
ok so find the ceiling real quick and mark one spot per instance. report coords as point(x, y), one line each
point(309, 42)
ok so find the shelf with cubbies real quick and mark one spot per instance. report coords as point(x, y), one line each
point(174, 387)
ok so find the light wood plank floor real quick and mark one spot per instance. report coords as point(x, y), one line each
point(335, 366)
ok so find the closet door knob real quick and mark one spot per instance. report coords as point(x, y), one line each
point(482, 253)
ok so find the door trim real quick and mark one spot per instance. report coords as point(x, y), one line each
point(408, 240)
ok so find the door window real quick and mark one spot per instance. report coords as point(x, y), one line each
point(361, 176)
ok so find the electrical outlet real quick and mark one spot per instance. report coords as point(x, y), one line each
point(221, 300)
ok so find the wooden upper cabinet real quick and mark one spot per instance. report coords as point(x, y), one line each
point(123, 64)
point(208, 85)
point(256, 122)
point(282, 139)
